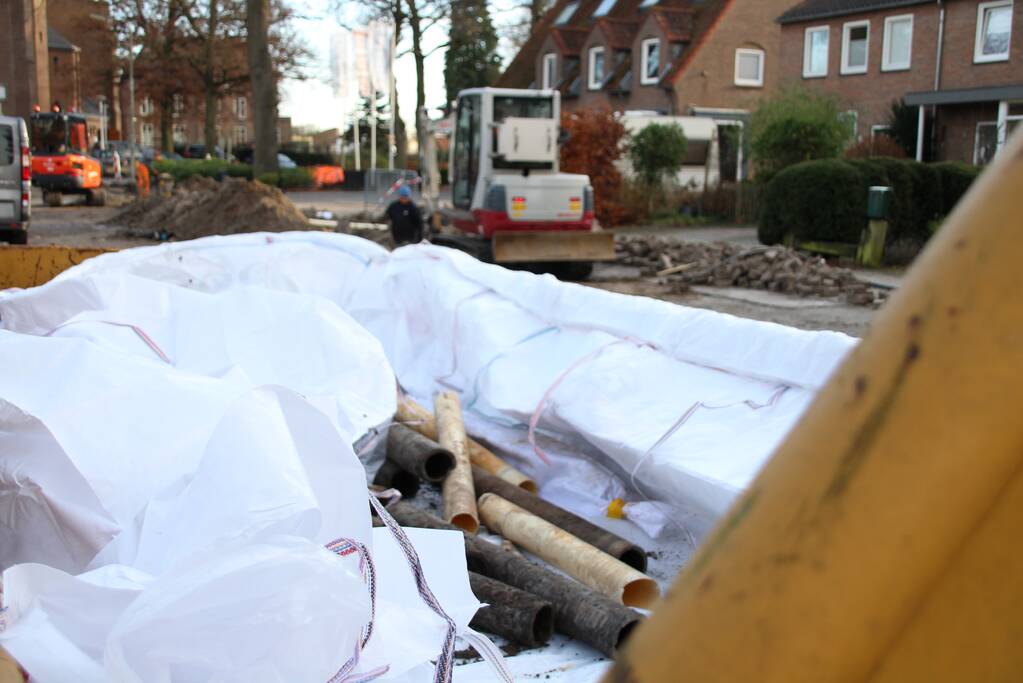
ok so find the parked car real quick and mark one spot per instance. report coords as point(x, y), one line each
point(199, 152)
point(284, 161)
point(15, 180)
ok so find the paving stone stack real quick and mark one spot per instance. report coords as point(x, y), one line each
point(723, 264)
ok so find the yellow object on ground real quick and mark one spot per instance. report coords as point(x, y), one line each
point(30, 266)
point(882, 541)
point(616, 509)
point(523, 246)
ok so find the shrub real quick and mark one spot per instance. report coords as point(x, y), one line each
point(211, 168)
point(795, 126)
point(657, 152)
point(879, 146)
point(288, 178)
point(816, 200)
point(954, 179)
point(826, 200)
point(592, 148)
point(902, 123)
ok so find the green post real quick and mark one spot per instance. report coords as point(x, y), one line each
point(871, 250)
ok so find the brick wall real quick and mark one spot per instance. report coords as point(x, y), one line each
point(709, 77)
point(956, 129)
point(648, 97)
point(958, 69)
point(23, 59)
point(870, 94)
point(83, 23)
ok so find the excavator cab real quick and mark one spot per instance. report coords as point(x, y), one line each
point(60, 158)
point(507, 189)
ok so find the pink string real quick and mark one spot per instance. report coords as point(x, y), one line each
point(135, 328)
point(534, 419)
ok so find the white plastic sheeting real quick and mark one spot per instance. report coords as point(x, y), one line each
point(176, 426)
point(165, 501)
point(685, 404)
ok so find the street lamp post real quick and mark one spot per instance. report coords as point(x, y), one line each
point(131, 101)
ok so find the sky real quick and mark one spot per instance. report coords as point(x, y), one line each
point(311, 102)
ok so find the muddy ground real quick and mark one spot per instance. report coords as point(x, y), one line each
point(77, 225)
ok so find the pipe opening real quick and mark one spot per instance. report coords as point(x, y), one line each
point(438, 464)
point(635, 558)
point(466, 522)
point(640, 593)
point(543, 625)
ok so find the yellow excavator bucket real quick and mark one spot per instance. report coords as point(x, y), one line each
point(530, 246)
point(30, 266)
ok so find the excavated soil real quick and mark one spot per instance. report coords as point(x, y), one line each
point(203, 206)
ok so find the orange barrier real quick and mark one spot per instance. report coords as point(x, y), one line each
point(325, 176)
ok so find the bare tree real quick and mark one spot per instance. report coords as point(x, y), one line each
point(264, 86)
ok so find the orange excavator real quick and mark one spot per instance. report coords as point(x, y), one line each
point(60, 160)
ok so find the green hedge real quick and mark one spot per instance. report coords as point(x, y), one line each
point(288, 178)
point(826, 200)
point(211, 168)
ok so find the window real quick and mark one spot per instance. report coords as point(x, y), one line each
point(179, 134)
point(147, 134)
point(596, 71)
point(897, 48)
point(994, 28)
point(604, 7)
point(6, 145)
point(146, 106)
point(566, 14)
point(855, 41)
point(648, 3)
point(179, 103)
point(650, 50)
point(749, 67)
point(467, 151)
point(241, 107)
point(851, 118)
point(815, 52)
point(550, 70)
point(985, 143)
point(880, 129)
point(241, 135)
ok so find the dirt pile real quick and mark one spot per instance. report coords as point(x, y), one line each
point(776, 268)
point(368, 225)
point(202, 206)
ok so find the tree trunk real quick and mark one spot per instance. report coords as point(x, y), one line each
point(209, 81)
point(417, 53)
point(264, 89)
point(166, 125)
point(400, 138)
point(210, 124)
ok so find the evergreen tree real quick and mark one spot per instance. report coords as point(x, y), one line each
point(471, 60)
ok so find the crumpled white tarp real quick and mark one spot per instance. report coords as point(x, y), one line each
point(684, 404)
point(165, 501)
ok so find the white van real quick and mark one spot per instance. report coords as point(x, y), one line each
point(15, 180)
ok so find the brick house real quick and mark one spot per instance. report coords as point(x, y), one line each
point(23, 58)
point(678, 57)
point(958, 61)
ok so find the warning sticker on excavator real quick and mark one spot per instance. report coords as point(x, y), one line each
point(518, 205)
point(575, 204)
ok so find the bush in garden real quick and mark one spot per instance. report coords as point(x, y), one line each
point(288, 178)
point(955, 179)
point(592, 148)
point(815, 201)
point(826, 200)
point(211, 168)
point(657, 152)
point(794, 126)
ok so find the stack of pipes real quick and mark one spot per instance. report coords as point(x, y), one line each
point(601, 574)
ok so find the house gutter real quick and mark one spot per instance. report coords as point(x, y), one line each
point(937, 82)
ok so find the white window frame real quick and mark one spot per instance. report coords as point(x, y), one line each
point(241, 107)
point(591, 81)
point(243, 138)
point(808, 51)
point(146, 106)
point(976, 139)
point(551, 58)
point(757, 82)
point(978, 56)
point(844, 68)
point(879, 128)
point(854, 116)
point(644, 54)
point(887, 65)
point(148, 135)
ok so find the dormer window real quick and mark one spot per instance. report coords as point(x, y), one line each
point(604, 7)
point(566, 14)
point(596, 70)
point(550, 70)
point(650, 61)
